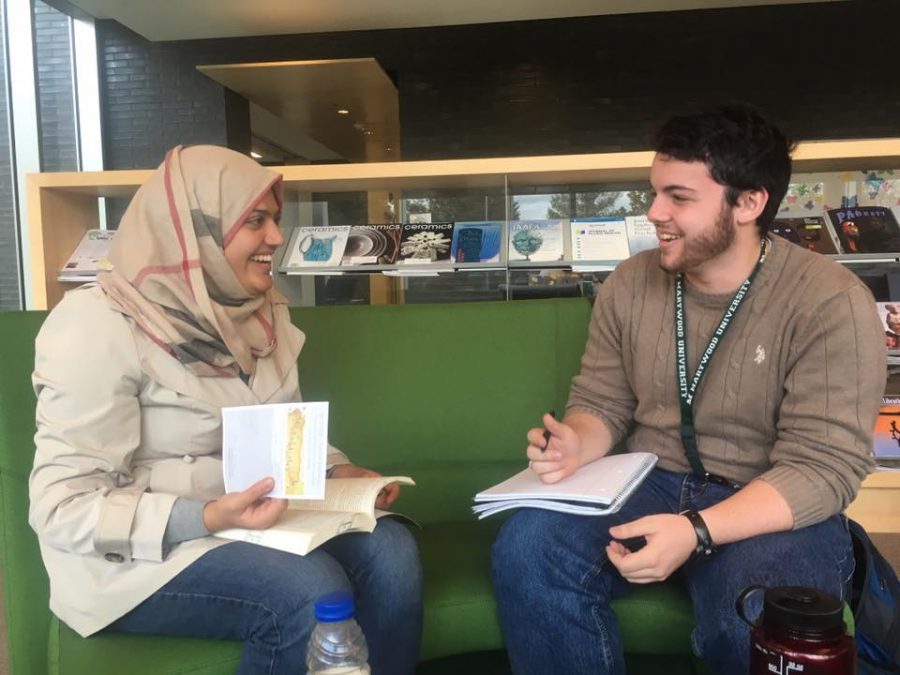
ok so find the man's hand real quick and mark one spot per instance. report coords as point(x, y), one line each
point(670, 541)
point(385, 498)
point(557, 458)
point(250, 509)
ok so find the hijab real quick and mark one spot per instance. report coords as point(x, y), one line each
point(170, 274)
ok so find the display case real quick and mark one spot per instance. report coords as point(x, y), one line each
point(62, 206)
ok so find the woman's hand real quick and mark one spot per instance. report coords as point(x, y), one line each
point(250, 509)
point(385, 498)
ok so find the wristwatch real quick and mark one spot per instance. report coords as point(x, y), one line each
point(705, 545)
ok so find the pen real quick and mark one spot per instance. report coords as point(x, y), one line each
point(552, 414)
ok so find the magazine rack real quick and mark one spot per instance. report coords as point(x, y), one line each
point(62, 206)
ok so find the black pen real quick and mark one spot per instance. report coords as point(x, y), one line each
point(552, 414)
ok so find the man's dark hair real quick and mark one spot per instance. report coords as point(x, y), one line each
point(742, 149)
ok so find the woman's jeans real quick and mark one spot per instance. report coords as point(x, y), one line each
point(554, 583)
point(265, 598)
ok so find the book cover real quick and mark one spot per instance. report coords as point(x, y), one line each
point(599, 239)
point(285, 441)
point(887, 429)
point(89, 257)
point(425, 243)
point(866, 229)
point(598, 488)
point(476, 241)
point(641, 234)
point(348, 505)
point(317, 246)
point(889, 312)
point(536, 240)
point(374, 244)
point(810, 232)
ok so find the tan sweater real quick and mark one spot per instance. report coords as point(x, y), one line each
point(790, 395)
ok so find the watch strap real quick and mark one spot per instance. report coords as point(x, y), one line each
point(705, 546)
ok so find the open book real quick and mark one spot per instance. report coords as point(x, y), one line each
point(349, 506)
point(596, 489)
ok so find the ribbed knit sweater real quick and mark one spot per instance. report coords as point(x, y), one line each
point(790, 395)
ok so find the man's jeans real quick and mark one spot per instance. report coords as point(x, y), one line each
point(554, 583)
point(265, 598)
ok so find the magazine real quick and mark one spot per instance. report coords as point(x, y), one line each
point(89, 257)
point(596, 489)
point(316, 247)
point(425, 243)
point(810, 232)
point(476, 242)
point(866, 229)
point(376, 244)
point(600, 239)
point(886, 445)
point(536, 241)
point(641, 234)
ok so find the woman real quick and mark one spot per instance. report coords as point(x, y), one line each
point(131, 376)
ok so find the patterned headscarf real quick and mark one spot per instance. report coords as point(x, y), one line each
point(170, 274)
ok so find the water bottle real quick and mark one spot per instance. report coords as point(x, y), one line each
point(800, 630)
point(337, 645)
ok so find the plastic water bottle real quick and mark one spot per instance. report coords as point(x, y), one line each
point(337, 645)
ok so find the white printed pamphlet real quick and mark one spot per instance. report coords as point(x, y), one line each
point(599, 239)
point(285, 441)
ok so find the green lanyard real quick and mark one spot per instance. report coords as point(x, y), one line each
point(685, 391)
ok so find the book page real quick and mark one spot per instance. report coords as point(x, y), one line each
point(352, 494)
point(285, 441)
point(300, 531)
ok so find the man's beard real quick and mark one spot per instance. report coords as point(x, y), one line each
point(707, 245)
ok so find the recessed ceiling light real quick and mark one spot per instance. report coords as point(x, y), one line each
point(255, 155)
point(343, 111)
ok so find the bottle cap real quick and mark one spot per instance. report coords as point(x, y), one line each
point(802, 609)
point(336, 606)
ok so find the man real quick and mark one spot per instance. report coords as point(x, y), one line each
point(757, 456)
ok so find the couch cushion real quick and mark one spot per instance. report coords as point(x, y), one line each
point(461, 614)
point(138, 654)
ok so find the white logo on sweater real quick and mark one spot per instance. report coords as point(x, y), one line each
point(760, 355)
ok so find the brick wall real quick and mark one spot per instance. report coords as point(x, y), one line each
point(545, 87)
point(58, 135)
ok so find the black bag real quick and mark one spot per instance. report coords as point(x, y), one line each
point(875, 602)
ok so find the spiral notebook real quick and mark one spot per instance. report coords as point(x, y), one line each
point(596, 489)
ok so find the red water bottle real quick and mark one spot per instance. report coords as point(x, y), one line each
point(800, 630)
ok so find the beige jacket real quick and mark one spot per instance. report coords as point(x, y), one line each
point(122, 431)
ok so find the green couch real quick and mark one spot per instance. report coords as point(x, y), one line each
point(443, 393)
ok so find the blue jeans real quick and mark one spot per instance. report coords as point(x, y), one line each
point(554, 583)
point(265, 598)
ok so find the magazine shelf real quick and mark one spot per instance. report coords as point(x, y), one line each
point(62, 206)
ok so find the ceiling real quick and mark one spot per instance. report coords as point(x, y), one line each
point(193, 19)
point(349, 106)
point(294, 104)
